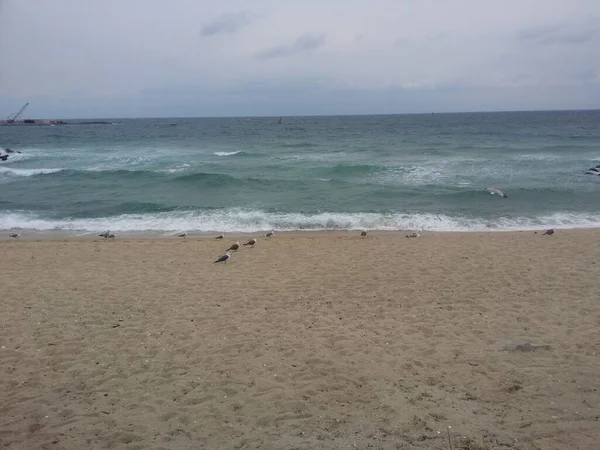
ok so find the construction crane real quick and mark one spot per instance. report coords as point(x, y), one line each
point(15, 116)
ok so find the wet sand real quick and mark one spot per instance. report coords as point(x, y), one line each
point(307, 341)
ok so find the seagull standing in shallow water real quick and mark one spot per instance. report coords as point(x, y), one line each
point(494, 191)
point(223, 258)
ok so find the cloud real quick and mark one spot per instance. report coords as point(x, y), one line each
point(227, 23)
point(390, 55)
point(567, 34)
point(304, 43)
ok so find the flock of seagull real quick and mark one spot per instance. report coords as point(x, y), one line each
point(235, 247)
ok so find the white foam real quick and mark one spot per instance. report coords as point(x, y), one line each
point(226, 153)
point(26, 172)
point(175, 169)
point(537, 157)
point(244, 221)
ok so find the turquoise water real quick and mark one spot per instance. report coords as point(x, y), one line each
point(308, 173)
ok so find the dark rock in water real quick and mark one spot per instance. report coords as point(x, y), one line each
point(525, 347)
point(594, 170)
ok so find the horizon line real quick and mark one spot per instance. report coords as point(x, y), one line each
point(323, 115)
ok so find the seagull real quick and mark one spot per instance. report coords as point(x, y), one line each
point(223, 258)
point(414, 234)
point(235, 246)
point(105, 234)
point(363, 233)
point(111, 235)
point(494, 191)
point(15, 235)
point(182, 235)
point(270, 234)
point(251, 242)
point(549, 232)
point(220, 236)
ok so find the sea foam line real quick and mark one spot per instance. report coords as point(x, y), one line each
point(245, 221)
point(27, 172)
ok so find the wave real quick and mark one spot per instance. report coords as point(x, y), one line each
point(356, 169)
point(208, 179)
point(250, 221)
point(298, 145)
point(173, 174)
point(27, 172)
point(228, 153)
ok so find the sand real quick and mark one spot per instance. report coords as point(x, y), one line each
point(304, 342)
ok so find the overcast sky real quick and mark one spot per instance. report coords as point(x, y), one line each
point(151, 58)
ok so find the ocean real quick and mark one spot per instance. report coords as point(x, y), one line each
point(388, 172)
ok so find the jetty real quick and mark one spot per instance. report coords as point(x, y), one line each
point(14, 120)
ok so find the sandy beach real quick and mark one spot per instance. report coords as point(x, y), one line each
point(306, 341)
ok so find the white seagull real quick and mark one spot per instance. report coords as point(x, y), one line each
point(251, 242)
point(235, 246)
point(223, 258)
point(105, 234)
point(494, 191)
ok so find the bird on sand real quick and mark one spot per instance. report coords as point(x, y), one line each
point(269, 234)
point(223, 258)
point(414, 234)
point(363, 233)
point(15, 235)
point(182, 235)
point(220, 236)
point(111, 236)
point(549, 232)
point(105, 234)
point(235, 246)
point(251, 242)
point(494, 191)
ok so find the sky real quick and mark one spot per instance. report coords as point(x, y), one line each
point(189, 58)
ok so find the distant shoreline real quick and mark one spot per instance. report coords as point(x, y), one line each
point(52, 123)
point(300, 116)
